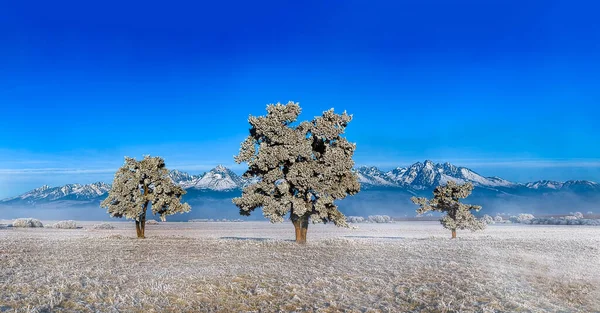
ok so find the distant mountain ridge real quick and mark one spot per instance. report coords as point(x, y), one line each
point(427, 175)
point(219, 178)
point(418, 176)
point(383, 190)
point(70, 192)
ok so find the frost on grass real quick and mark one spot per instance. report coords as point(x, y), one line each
point(514, 268)
point(65, 225)
point(103, 226)
point(27, 222)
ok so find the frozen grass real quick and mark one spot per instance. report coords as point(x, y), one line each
point(27, 222)
point(255, 267)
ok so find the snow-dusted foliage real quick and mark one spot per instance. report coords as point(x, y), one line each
point(446, 199)
point(578, 214)
point(498, 219)
point(524, 217)
point(488, 219)
point(103, 226)
point(300, 169)
point(140, 183)
point(355, 219)
point(152, 222)
point(27, 222)
point(564, 220)
point(379, 219)
point(65, 225)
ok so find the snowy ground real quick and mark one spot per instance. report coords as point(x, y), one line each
point(255, 267)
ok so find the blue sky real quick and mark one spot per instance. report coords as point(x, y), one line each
point(508, 88)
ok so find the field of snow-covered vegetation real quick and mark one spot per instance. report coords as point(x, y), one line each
point(256, 267)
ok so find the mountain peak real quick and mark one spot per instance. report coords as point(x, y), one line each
point(43, 188)
point(220, 168)
point(219, 178)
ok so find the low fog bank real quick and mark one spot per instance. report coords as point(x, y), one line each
point(392, 202)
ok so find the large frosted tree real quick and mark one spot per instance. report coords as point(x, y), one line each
point(446, 199)
point(139, 184)
point(299, 169)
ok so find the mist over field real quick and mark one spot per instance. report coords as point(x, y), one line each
point(387, 201)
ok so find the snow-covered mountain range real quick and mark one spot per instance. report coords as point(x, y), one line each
point(416, 178)
point(427, 175)
point(66, 192)
point(219, 178)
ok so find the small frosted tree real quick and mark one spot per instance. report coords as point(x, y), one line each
point(447, 199)
point(136, 185)
point(299, 169)
point(487, 219)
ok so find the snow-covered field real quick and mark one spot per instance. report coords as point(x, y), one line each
point(255, 267)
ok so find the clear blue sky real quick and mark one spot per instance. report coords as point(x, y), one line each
point(508, 88)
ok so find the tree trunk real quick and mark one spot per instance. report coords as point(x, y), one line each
point(140, 222)
point(143, 225)
point(301, 226)
point(453, 233)
point(138, 229)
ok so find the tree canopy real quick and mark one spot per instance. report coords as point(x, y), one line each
point(140, 183)
point(446, 199)
point(299, 169)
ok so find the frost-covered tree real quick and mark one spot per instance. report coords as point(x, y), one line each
point(525, 218)
point(136, 185)
point(447, 199)
point(487, 219)
point(299, 169)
